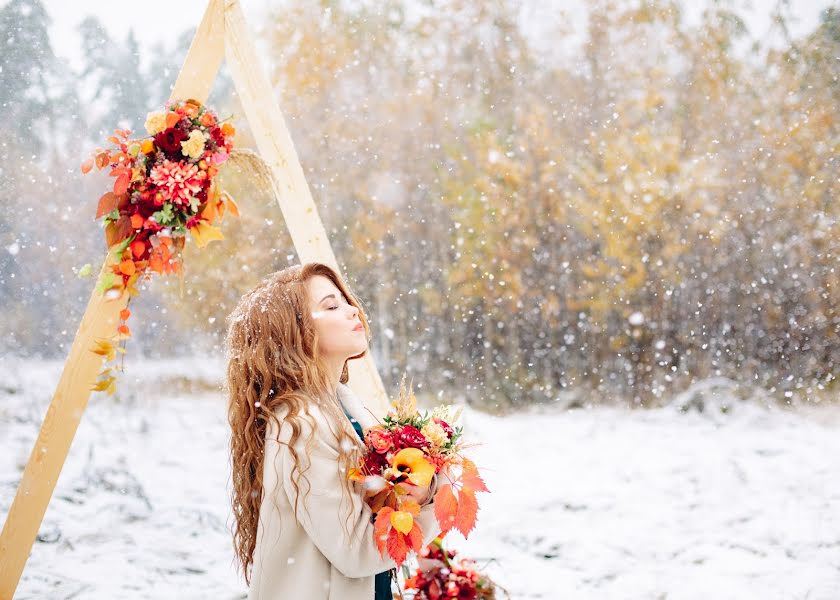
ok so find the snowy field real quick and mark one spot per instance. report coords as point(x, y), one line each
point(593, 504)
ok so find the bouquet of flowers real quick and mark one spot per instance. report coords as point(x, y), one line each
point(164, 186)
point(440, 576)
point(409, 448)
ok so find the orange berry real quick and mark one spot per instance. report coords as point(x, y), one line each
point(138, 247)
point(136, 221)
point(124, 314)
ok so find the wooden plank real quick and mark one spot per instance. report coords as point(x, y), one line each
point(277, 150)
point(207, 50)
point(57, 431)
point(82, 366)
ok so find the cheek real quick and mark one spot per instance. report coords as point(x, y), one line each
point(328, 329)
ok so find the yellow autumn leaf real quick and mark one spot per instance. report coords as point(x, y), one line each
point(232, 206)
point(402, 521)
point(104, 385)
point(106, 349)
point(205, 233)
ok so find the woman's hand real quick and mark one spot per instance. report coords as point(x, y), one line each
point(419, 493)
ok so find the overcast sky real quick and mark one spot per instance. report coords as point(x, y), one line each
point(155, 20)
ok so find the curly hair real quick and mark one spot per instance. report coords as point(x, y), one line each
point(273, 366)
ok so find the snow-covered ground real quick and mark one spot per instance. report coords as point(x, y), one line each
point(595, 504)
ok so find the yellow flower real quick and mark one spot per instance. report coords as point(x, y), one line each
point(435, 434)
point(155, 122)
point(410, 462)
point(194, 146)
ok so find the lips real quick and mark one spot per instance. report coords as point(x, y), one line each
point(358, 327)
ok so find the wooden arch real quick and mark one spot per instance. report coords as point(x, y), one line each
point(222, 34)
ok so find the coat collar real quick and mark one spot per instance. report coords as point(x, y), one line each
point(356, 407)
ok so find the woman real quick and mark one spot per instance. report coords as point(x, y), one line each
point(303, 530)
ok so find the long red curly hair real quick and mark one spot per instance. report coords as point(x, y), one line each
point(272, 352)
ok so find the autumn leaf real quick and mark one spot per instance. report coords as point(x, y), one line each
point(108, 202)
point(467, 510)
point(103, 159)
point(106, 282)
point(470, 477)
point(87, 166)
point(109, 385)
point(118, 231)
point(410, 506)
point(397, 546)
point(205, 233)
point(402, 521)
point(106, 349)
point(232, 206)
point(446, 507)
point(123, 175)
point(381, 527)
point(414, 538)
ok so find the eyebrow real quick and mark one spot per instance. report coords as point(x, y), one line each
point(327, 296)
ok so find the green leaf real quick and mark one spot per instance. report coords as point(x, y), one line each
point(85, 271)
point(106, 283)
point(112, 216)
point(124, 244)
point(164, 216)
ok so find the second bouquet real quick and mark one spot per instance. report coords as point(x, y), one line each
point(408, 449)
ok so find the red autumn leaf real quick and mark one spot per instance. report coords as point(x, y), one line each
point(414, 538)
point(467, 510)
point(380, 528)
point(108, 202)
point(397, 547)
point(446, 507)
point(470, 477)
point(123, 175)
point(118, 230)
point(87, 166)
point(102, 159)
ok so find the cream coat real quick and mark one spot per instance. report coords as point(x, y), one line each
point(311, 557)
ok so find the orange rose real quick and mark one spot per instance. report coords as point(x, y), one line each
point(379, 439)
point(208, 120)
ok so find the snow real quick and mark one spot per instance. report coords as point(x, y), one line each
point(593, 503)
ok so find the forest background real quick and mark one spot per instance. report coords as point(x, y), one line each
point(604, 217)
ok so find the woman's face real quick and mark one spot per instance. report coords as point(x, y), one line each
point(337, 325)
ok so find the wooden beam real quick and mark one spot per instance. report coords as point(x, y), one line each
point(222, 32)
point(57, 431)
point(82, 366)
point(293, 195)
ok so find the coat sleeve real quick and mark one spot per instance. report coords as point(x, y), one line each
point(323, 510)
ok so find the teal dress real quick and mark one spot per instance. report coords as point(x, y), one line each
point(382, 586)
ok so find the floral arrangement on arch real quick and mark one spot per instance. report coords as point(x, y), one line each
point(164, 186)
point(409, 448)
